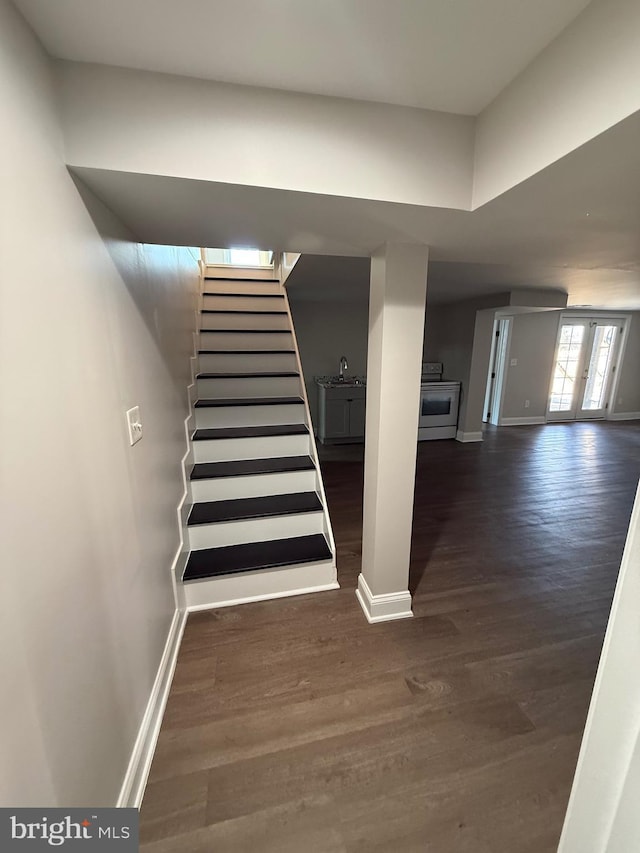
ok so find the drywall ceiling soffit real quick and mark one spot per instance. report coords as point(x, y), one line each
point(573, 227)
point(435, 54)
point(467, 257)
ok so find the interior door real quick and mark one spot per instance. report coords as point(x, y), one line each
point(584, 363)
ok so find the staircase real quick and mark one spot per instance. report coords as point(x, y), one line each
point(257, 524)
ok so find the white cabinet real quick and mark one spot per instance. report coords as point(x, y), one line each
point(341, 412)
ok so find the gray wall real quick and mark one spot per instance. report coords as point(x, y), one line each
point(533, 342)
point(91, 324)
point(325, 331)
point(628, 394)
point(459, 335)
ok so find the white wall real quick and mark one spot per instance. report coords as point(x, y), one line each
point(603, 816)
point(326, 330)
point(136, 121)
point(578, 87)
point(91, 323)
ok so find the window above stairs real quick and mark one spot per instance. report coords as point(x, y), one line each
point(240, 256)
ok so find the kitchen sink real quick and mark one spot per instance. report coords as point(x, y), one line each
point(337, 382)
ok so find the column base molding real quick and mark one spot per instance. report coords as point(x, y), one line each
point(383, 608)
point(468, 436)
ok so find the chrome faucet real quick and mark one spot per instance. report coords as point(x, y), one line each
point(343, 366)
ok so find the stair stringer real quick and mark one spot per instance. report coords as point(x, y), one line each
point(313, 449)
point(186, 463)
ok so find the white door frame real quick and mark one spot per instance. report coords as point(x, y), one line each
point(500, 344)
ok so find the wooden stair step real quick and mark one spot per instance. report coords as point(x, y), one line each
point(242, 311)
point(246, 467)
point(245, 351)
point(238, 278)
point(247, 295)
point(265, 431)
point(253, 556)
point(245, 331)
point(213, 512)
point(221, 402)
point(247, 375)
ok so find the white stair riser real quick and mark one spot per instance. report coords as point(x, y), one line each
point(261, 447)
point(244, 587)
point(230, 286)
point(253, 486)
point(245, 341)
point(246, 363)
point(230, 416)
point(254, 530)
point(229, 302)
point(245, 321)
point(268, 386)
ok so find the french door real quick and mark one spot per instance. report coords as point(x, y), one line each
point(584, 366)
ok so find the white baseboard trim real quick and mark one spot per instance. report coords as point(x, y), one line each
point(536, 419)
point(250, 599)
point(468, 436)
point(135, 779)
point(383, 608)
point(624, 416)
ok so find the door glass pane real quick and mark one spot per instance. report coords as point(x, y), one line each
point(599, 365)
point(565, 371)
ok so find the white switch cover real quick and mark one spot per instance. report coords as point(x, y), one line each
point(513, 362)
point(135, 425)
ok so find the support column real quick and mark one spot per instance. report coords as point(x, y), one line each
point(396, 333)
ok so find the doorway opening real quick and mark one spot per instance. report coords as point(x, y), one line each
point(497, 370)
point(584, 368)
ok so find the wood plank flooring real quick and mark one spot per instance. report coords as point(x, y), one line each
point(294, 726)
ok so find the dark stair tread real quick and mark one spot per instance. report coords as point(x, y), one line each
point(243, 311)
point(212, 512)
point(247, 331)
point(245, 467)
point(249, 431)
point(237, 278)
point(220, 402)
point(253, 556)
point(246, 351)
point(274, 374)
point(241, 294)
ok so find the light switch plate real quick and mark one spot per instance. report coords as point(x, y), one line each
point(135, 425)
point(513, 362)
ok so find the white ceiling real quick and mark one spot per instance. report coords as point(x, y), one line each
point(451, 55)
point(575, 226)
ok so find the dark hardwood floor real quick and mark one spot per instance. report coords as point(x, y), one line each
point(293, 726)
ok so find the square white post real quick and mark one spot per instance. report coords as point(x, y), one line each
point(396, 334)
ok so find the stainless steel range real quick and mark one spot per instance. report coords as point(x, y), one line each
point(439, 401)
